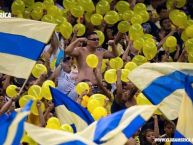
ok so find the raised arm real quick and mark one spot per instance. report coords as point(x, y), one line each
point(56, 73)
point(100, 84)
point(41, 116)
point(113, 53)
point(6, 106)
point(156, 126)
point(183, 56)
point(164, 39)
point(118, 37)
point(72, 48)
point(126, 53)
point(119, 86)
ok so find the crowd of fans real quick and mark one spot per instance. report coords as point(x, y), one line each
point(65, 60)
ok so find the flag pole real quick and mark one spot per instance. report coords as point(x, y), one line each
point(20, 91)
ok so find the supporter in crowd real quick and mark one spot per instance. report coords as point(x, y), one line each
point(65, 61)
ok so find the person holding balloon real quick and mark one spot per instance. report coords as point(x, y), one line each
point(123, 95)
point(82, 47)
point(173, 40)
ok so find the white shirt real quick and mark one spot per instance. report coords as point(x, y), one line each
point(65, 83)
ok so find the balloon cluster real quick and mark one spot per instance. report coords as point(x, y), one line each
point(54, 123)
point(181, 20)
point(35, 93)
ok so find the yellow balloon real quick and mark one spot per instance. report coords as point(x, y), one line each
point(189, 44)
point(100, 97)
point(46, 90)
point(35, 91)
point(16, 6)
point(48, 3)
point(39, 69)
point(122, 6)
point(190, 58)
point(135, 36)
point(136, 31)
point(53, 10)
point(92, 104)
point(87, 16)
point(87, 5)
point(96, 19)
point(149, 50)
point(24, 99)
point(68, 4)
point(123, 26)
point(110, 76)
point(144, 15)
point(28, 3)
point(179, 18)
point(85, 100)
point(116, 63)
point(67, 128)
point(27, 13)
point(101, 37)
point(54, 120)
point(139, 7)
point(171, 41)
point(136, 19)
point(124, 75)
point(170, 49)
point(77, 11)
point(189, 22)
point(27, 139)
point(38, 5)
point(138, 43)
point(99, 112)
point(130, 66)
point(11, 91)
point(102, 7)
point(127, 15)
point(92, 60)
point(179, 3)
point(66, 29)
point(109, 1)
point(81, 29)
point(139, 59)
point(82, 87)
point(53, 126)
point(37, 14)
point(84, 103)
point(111, 17)
point(48, 18)
point(104, 66)
point(60, 19)
point(142, 100)
point(34, 108)
point(147, 36)
point(183, 36)
point(189, 31)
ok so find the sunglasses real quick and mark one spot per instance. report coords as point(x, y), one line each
point(94, 39)
point(66, 59)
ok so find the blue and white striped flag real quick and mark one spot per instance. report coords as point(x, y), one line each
point(70, 112)
point(45, 136)
point(12, 126)
point(118, 127)
point(21, 43)
point(163, 83)
point(184, 129)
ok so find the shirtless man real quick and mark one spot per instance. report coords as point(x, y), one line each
point(75, 49)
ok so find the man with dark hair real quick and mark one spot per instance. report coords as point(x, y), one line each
point(82, 47)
